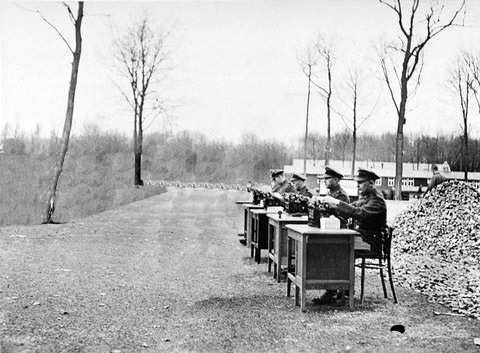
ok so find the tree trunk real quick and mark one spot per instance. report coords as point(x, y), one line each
point(138, 169)
point(52, 191)
point(306, 124)
point(328, 144)
point(466, 154)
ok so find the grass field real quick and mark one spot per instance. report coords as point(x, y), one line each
point(87, 186)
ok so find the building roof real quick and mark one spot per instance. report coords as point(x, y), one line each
point(383, 169)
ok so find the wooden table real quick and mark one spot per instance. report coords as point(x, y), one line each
point(247, 221)
point(240, 223)
point(277, 240)
point(324, 259)
point(259, 231)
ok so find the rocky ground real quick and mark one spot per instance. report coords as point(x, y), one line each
point(168, 274)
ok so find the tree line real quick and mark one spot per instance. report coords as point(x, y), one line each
point(187, 156)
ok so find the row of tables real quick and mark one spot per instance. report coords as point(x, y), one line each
point(314, 258)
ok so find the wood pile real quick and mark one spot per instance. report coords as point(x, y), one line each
point(436, 247)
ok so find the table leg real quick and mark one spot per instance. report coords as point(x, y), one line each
point(278, 251)
point(352, 274)
point(303, 282)
point(270, 249)
point(297, 294)
point(289, 252)
point(252, 235)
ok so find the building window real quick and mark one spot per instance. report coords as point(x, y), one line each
point(391, 182)
point(407, 182)
point(378, 182)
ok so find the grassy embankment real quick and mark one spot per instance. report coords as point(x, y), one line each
point(87, 185)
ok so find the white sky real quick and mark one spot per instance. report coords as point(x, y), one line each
point(235, 66)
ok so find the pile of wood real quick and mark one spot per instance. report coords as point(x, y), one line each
point(436, 248)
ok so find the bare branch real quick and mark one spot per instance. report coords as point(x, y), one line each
point(49, 23)
point(71, 16)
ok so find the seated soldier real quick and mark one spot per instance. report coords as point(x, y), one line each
point(282, 185)
point(298, 181)
point(332, 182)
point(369, 213)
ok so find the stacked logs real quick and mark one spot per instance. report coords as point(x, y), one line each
point(436, 247)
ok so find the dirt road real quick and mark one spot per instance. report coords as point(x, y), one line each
point(168, 274)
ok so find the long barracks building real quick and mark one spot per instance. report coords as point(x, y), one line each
point(416, 176)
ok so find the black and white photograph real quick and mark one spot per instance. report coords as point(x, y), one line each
point(239, 176)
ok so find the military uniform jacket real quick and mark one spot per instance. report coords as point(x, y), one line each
point(304, 191)
point(339, 194)
point(285, 187)
point(437, 178)
point(370, 212)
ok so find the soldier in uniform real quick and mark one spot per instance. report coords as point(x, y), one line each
point(332, 182)
point(436, 179)
point(282, 185)
point(369, 212)
point(298, 181)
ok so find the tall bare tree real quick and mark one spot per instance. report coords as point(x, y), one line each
point(52, 191)
point(402, 61)
point(306, 65)
point(474, 64)
point(325, 51)
point(140, 55)
point(461, 83)
point(356, 95)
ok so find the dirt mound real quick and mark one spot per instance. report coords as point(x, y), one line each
point(445, 223)
point(437, 246)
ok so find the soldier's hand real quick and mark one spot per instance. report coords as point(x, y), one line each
point(330, 200)
point(277, 195)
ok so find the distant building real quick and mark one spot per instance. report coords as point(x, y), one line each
point(415, 176)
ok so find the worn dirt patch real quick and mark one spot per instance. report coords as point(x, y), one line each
point(168, 274)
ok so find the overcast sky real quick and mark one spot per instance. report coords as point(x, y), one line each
point(235, 66)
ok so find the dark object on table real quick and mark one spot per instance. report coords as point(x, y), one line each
point(296, 204)
point(317, 210)
point(399, 328)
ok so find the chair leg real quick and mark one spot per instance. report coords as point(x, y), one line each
point(382, 277)
point(362, 286)
point(389, 266)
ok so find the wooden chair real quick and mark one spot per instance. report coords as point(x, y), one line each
point(378, 261)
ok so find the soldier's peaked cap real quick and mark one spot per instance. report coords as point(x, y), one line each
point(276, 172)
point(296, 176)
point(364, 174)
point(332, 173)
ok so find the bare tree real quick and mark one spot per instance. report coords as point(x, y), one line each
point(306, 65)
point(139, 56)
point(340, 141)
point(316, 143)
point(403, 61)
point(460, 83)
point(325, 51)
point(355, 93)
point(52, 191)
point(474, 64)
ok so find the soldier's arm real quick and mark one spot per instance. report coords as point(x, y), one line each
point(344, 198)
point(372, 208)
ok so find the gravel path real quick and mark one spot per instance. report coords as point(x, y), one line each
point(168, 274)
